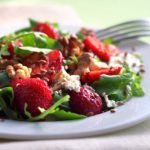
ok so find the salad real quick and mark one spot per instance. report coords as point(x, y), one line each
point(49, 74)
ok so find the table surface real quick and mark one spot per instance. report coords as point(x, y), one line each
point(99, 12)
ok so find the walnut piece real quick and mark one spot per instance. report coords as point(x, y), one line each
point(5, 62)
point(86, 63)
point(18, 71)
point(87, 32)
point(72, 46)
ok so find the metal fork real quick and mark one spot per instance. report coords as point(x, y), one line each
point(125, 30)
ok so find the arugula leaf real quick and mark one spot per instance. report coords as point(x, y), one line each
point(33, 22)
point(108, 41)
point(4, 51)
point(50, 111)
point(135, 85)
point(81, 36)
point(65, 115)
point(26, 29)
point(109, 84)
point(120, 87)
point(71, 60)
point(27, 50)
point(4, 79)
point(6, 99)
point(37, 39)
point(57, 97)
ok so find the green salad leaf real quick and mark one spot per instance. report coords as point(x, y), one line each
point(66, 115)
point(37, 39)
point(27, 50)
point(33, 22)
point(4, 79)
point(120, 87)
point(114, 86)
point(135, 85)
point(50, 111)
point(26, 29)
point(6, 100)
point(108, 41)
point(55, 110)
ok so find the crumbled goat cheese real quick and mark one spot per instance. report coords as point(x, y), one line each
point(109, 103)
point(132, 60)
point(70, 82)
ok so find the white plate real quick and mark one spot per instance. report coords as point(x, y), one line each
point(133, 112)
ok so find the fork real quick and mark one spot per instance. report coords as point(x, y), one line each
point(126, 30)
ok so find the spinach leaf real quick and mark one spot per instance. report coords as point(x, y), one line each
point(27, 50)
point(65, 115)
point(26, 29)
point(50, 111)
point(108, 41)
point(4, 79)
point(120, 87)
point(6, 99)
point(33, 22)
point(135, 85)
point(110, 84)
point(37, 39)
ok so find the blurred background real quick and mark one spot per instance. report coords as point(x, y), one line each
point(98, 13)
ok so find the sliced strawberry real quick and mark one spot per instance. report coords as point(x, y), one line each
point(55, 65)
point(47, 29)
point(93, 44)
point(55, 60)
point(90, 77)
point(111, 49)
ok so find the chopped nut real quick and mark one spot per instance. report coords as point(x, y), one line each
point(5, 62)
point(18, 71)
point(120, 103)
point(84, 62)
point(112, 110)
point(72, 46)
point(87, 32)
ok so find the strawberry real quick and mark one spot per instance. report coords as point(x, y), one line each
point(47, 29)
point(34, 92)
point(90, 77)
point(85, 102)
point(111, 49)
point(93, 44)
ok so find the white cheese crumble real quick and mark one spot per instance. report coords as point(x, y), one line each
point(132, 60)
point(70, 82)
point(109, 103)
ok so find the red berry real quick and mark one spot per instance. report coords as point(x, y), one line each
point(47, 29)
point(55, 60)
point(94, 44)
point(86, 102)
point(34, 92)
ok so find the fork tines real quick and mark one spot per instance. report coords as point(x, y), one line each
point(126, 30)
